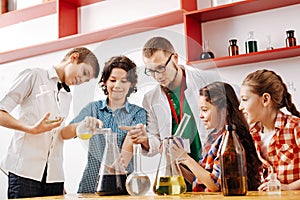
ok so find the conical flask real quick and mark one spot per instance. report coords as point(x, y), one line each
point(137, 183)
point(46, 103)
point(169, 179)
point(112, 175)
point(233, 164)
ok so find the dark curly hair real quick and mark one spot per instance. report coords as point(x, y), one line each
point(222, 96)
point(124, 63)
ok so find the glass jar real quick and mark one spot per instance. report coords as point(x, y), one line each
point(251, 43)
point(233, 49)
point(220, 2)
point(290, 41)
point(4, 6)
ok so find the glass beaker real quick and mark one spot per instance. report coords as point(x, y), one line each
point(137, 183)
point(85, 133)
point(112, 175)
point(169, 179)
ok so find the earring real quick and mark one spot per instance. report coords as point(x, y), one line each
point(134, 89)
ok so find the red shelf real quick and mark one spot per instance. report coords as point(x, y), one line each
point(193, 28)
point(67, 11)
point(159, 21)
point(26, 14)
point(80, 3)
point(267, 55)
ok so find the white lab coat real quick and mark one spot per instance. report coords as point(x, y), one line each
point(159, 118)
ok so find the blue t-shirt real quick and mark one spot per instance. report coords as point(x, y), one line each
point(128, 115)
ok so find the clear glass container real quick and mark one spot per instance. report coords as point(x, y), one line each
point(46, 103)
point(137, 183)
point(112, 175)
point(251, 43)
point(233, 164)
point(274, 185)
point(169, 179)
point(220, 2)
point(206, 53)
point(270, 46)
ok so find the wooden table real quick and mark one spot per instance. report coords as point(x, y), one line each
point(252, 195)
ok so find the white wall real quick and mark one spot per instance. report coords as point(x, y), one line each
point(75, 150)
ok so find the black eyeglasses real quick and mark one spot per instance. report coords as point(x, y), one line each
point(159, 69)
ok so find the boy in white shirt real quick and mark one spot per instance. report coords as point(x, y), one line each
point(35, 155)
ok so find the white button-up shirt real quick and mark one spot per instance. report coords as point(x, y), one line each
point(28, 154)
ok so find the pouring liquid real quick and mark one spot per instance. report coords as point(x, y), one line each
point(85, 136)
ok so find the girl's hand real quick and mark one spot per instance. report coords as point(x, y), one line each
point(178, 151)
point(263, 187)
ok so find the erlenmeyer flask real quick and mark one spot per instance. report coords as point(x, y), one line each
point(46, 100)
point(112, 175)
point(137, 183)
point(169, 179)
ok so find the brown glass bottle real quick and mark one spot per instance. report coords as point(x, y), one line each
point(290, 41)
point(233, 164)
point(4, 6)
point(233, 49)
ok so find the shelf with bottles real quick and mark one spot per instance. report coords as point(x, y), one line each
point(67, 14)
point(25, 14)
point(266, 55)
point(194, 20)
point(68, 32)
point(147, 24)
